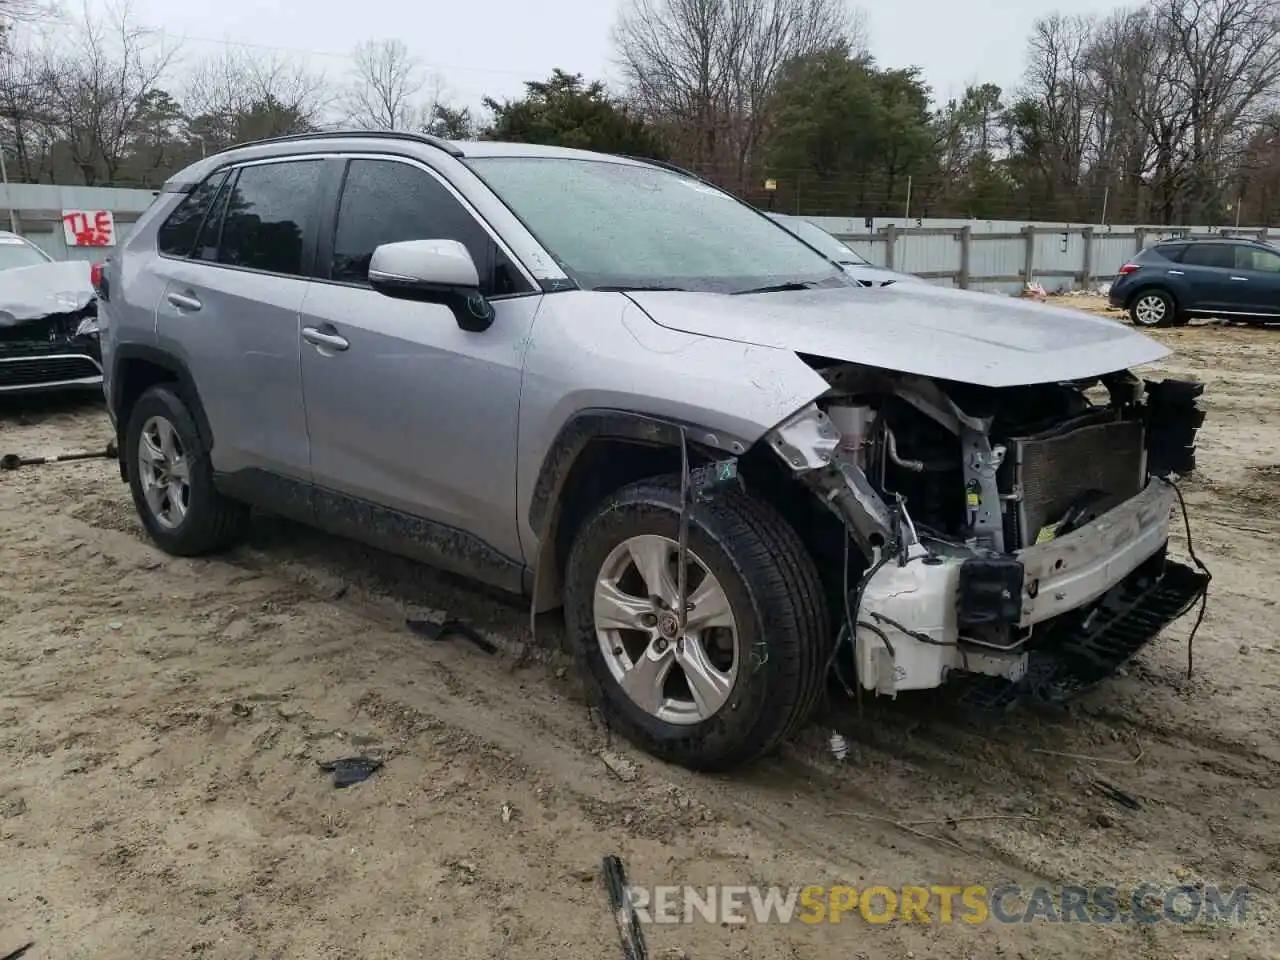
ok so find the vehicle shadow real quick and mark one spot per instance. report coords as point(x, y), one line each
point(34, 409)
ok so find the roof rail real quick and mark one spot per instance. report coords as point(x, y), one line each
point(664, 165)
point(423, 138)
point(1219, 237)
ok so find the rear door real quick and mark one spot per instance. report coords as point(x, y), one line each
point(231, 308)
point(1208, 271)
point(1261, 288)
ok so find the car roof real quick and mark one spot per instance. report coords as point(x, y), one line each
point(327, 140)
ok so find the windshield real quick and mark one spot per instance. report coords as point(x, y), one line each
point(818, 238)
point(620, 226)
point(16, 252)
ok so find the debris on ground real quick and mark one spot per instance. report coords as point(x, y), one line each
point(350, 770)
point(434, 629)
point(1033, 291)
point(12, 461)
point(20, 952)
point(620, 766)
point(1116, 794)
point(624, 914)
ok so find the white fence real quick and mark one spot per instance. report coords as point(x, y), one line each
point(1001, 256)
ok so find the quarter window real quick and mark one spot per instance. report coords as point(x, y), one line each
point(177, 235)
point(270, 216)
point(385, 201)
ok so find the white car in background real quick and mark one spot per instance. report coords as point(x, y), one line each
point(860, 269)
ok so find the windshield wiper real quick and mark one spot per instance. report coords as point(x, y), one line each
point(777, 288)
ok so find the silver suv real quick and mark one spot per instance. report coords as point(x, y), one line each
point(608, 385)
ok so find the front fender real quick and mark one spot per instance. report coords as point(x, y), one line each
point(597, 363)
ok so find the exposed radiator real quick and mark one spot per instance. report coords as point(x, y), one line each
point(1053, 471)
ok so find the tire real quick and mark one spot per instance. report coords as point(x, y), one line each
point(210, 522)
point(781, 644)
point(1153, 308)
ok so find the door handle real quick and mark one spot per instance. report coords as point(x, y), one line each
point(184, 301)
point(321, 339)
point(1176, 273)
point(1239, 278)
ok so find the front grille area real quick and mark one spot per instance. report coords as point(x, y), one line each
point(39, 371)
point(1054, 471)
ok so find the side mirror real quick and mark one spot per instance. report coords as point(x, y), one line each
point(433, 271)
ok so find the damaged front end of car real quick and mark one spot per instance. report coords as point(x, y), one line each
point(1015, 536)
point(49, 342)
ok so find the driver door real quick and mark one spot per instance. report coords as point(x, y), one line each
point(412, 420)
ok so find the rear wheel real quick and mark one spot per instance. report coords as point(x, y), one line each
point(171, 479)
point(748, 668)
point(1153, 308)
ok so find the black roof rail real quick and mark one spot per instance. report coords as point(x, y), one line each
point(423, 138)
point(1219, 237)
point(665, 166)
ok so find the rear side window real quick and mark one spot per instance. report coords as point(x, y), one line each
point(1257, 258)
point(177, 235)
point(385, 201)
point(270, 216)
point(1210, 255)
point(1171, 251)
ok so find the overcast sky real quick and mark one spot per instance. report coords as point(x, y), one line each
point(491, 46)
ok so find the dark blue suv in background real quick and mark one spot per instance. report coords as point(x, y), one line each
point(1169, 283)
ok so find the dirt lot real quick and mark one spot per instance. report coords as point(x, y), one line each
point(161, 719)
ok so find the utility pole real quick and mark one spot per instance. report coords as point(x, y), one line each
point(8, 200)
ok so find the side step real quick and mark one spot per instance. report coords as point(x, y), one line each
point(1079, 657)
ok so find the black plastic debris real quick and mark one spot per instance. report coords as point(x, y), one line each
point(20, 952)
point(350, 770)
point(624, 914)
point(1115, 793)
point(434, 630)
point(11, 461)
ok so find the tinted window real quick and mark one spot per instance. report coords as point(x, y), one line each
point(386, 202)
point(1210, 255)
point(1257, 258)
point(211, 231)
point(270, 214)
point(177, 235)
point(1171, 251)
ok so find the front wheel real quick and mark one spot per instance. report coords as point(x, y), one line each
point(1153, 308)
point(749, 666)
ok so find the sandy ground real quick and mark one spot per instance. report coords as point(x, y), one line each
point(161, 722)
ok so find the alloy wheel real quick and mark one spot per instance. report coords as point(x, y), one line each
point(677, 678)
point(164, 472)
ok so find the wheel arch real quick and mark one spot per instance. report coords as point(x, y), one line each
point(134, 369)
point(595, 453)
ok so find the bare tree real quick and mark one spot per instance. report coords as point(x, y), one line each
point(384, 90)
point(238, 95)
point(102, 82)
point(705, 69)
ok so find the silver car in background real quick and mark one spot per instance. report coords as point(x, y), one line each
point(839, 252)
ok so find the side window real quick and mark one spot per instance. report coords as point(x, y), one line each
point(1255, 258)
point(384, 201)
point(211, 231)
point(177, 235)
point(1172, 251)
point(270, 212)
point(1210, 255)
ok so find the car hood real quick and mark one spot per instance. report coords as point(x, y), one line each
point(917, 328)
point(30, 293)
